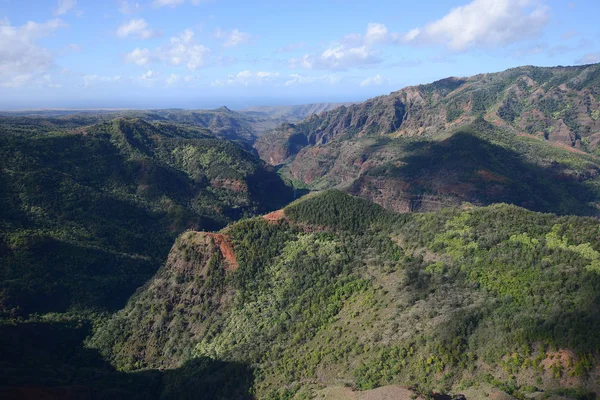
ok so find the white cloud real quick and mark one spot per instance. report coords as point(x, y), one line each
point(247, 78)
point(183, 50)
point(175, 3)
point(149, 75)
point(167, 3)
point(376, 80)
point(172, 79)
point(138, 56)
point(233, 38)
point(90, 79)
point(180, 50)
point(49, 83)
point(135, 27)
point(483, 23)
point(353, 50)
point(21, 59)
point(126, 7)
point(64, 6)
point(378, 33)
point(297, 80)
point(590, 58)
point(338, 57)
point(375, 34)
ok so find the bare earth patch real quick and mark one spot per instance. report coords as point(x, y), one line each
point(275, 216)
point(226, 247)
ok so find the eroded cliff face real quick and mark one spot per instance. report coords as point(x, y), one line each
point(410, 151)
point(556, 104)
point(160, 324)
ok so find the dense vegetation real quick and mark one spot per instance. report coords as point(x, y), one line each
point(495, 298)
point(48, 360)
point(86, 217)
point(466, 296)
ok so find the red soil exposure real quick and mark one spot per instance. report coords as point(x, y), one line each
point(275, 216)
point(561, 357)
point(226, 247)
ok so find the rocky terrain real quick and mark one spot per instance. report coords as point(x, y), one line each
point(533, 116)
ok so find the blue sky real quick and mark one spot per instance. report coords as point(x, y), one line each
point(207, 53)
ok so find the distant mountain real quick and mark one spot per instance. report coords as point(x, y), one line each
point(490, 138)
point(270, 117)
point(87, 215)
point(298, 112)
point(244, 125)
point(334, 290)
point(222, 122)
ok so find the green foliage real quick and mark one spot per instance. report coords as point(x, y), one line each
point(49, 359)
point(420, 300)
point(87, 217)
point(336, 210)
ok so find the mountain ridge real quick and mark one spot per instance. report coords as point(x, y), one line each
point(322, 302)
point(103, 205)
point(344, 148)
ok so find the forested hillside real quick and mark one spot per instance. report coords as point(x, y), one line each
point(337, 291)
point(86, 217)
point(153, 254)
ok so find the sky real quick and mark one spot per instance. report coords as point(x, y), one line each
point(209, 53)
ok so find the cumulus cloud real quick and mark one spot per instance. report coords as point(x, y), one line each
point(64, 6)
point(167, 3)
point(21, 59)
point(353, 50)
point(135, 27)
point(299, 80)
point(375, 34)
point(379, 33)
point(149, 75)
point(338, 57)
point(49, 83)
point(127, 7)
point(138, 56)
point(247, 78)
point(172, 79)
point(175, 3)
point(233, 38)
point(180, 50)
point(376, 80)
point(483, 23)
